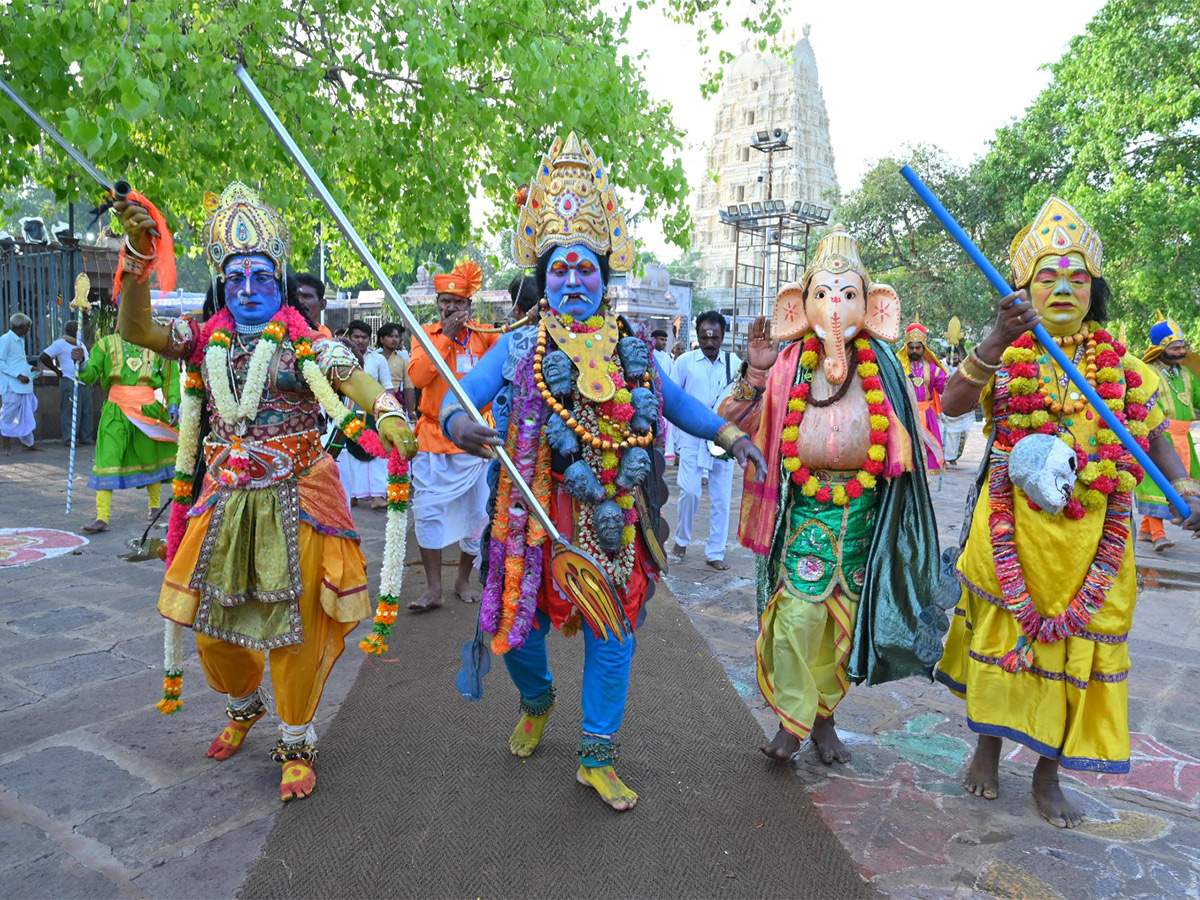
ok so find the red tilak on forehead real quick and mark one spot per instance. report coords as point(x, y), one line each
point(572, 257)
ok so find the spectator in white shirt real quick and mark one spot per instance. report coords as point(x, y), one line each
point(705, 374)
point(57, 358)
point(665, 365)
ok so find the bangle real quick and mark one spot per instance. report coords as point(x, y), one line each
point(974, 357)
point(391, 414)
point(1187, 487)
point(975, 371)
point(728, 435)
point(970, 377)
point(385, 402)
point(129, 249)
point(132, 265)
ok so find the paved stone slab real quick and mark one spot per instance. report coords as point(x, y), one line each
point(71, 784)
point(68, 674)
point(212, 871)
point(192, 812)
point(145, 648)
point(26, 725)
point(21, 843)
point(46, 648)
point(59, 621)
point(58, 877)
point(12, 696)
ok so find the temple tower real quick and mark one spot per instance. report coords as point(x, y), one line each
point(761, 93)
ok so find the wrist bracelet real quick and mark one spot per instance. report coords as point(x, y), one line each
point(385, 402)
point(974, 357)
point(1187, 487)
point(129, 249)
point(975, 378)
point(728, 435)
point(391, 414)
point(132, 265)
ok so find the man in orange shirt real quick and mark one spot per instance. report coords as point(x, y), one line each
point(450, 496)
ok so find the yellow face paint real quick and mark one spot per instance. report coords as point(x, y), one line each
point(1061, 291)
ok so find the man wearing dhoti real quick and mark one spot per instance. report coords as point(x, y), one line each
point(450, 497)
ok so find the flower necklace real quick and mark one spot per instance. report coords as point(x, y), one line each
point(1108, 481)
point(234, 412)
point(798, 399)
point(1030, 410)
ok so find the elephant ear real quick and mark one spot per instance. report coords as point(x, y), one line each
point(882, 319)
point(789, 321)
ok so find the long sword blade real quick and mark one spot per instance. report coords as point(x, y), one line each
point(118, 189)
point(389, 290)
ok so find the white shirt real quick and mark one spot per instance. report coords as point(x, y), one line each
point(375, 364)
point(60, 352)
point(704, 380)
point(666, 365)
point(13, 362)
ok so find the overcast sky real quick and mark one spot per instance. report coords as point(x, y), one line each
point(942, 72)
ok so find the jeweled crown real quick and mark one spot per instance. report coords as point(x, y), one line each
point(238, 224)
point(837, 252)
point(1058, 228)
point(571, 203)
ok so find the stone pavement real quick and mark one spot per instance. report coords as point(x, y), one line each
point(898, 807)
point(100, 796)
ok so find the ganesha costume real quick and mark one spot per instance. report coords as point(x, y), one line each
point(579, 403)
point(1038, 642)
point(928, 380)
point(1179, 400)
point(263, 556)
point(135, 445)
point(843, 527)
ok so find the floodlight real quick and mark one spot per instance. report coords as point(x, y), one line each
point(763, 137)
point(756, 208)
point(796, 208)
point(744, 209)
point(733, 210)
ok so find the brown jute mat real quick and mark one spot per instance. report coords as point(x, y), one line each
point(418, 795)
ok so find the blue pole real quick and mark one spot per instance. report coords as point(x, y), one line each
point(998, 282)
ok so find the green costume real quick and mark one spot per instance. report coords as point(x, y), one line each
point(1178, 398)
point(134, 447)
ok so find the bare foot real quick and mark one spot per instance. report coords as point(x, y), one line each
point(229, 741)
point(783, 746)
point(610, 788)
point(378, 503)
point(1052, 803)
point(983, 775)
point(430, 600)
point(298, 780)
point(829, 746)
point(465, 590)
point(31, 446)
point(95, 528)
point(528, 733)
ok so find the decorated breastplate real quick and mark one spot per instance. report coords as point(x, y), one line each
point(604, 402)
point(287, 405)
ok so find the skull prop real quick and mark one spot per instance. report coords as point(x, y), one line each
point(1043, 466)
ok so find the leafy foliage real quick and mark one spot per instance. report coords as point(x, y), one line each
point(407, 109)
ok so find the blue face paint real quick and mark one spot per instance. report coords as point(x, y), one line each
point(574, 285)
point(252, 292)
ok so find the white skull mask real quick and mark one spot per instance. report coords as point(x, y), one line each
point(1043, 466)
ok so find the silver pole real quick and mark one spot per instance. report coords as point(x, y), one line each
point(392, 294)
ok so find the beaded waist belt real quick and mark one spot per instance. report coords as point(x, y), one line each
point(245, 463)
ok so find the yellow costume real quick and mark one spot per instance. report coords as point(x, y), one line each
point(1067, 701)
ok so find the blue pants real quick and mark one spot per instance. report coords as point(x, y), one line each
point(605, 677)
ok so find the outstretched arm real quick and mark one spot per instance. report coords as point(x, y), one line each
point(688, 413)
point(134, 320)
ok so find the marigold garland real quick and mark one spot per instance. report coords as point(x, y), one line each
point(865, 478)
point(1107, 480)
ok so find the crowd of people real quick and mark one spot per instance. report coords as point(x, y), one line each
point(270, 427)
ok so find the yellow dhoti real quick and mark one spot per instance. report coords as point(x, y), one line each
point(801, 653)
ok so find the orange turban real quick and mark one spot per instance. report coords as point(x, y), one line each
point(464, 281)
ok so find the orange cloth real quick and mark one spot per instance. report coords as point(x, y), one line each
point(1153, 527)
point(464, 280)
point(433, 389)
point(324, 330)
point(130, 398)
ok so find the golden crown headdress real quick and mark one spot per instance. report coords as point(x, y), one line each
point(239, 223)
point(571, 203)
point(1058, 228)
point(837, 252)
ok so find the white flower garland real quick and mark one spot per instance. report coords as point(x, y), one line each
point(216, 364)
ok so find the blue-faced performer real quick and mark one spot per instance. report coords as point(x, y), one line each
point(579, 405)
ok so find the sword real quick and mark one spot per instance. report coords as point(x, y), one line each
point(118, 189)
point(575, 572)
point(997, 281)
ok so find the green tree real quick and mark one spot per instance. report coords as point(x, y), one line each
point(906, 247)
point(1117, 134)
point(410, 109)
